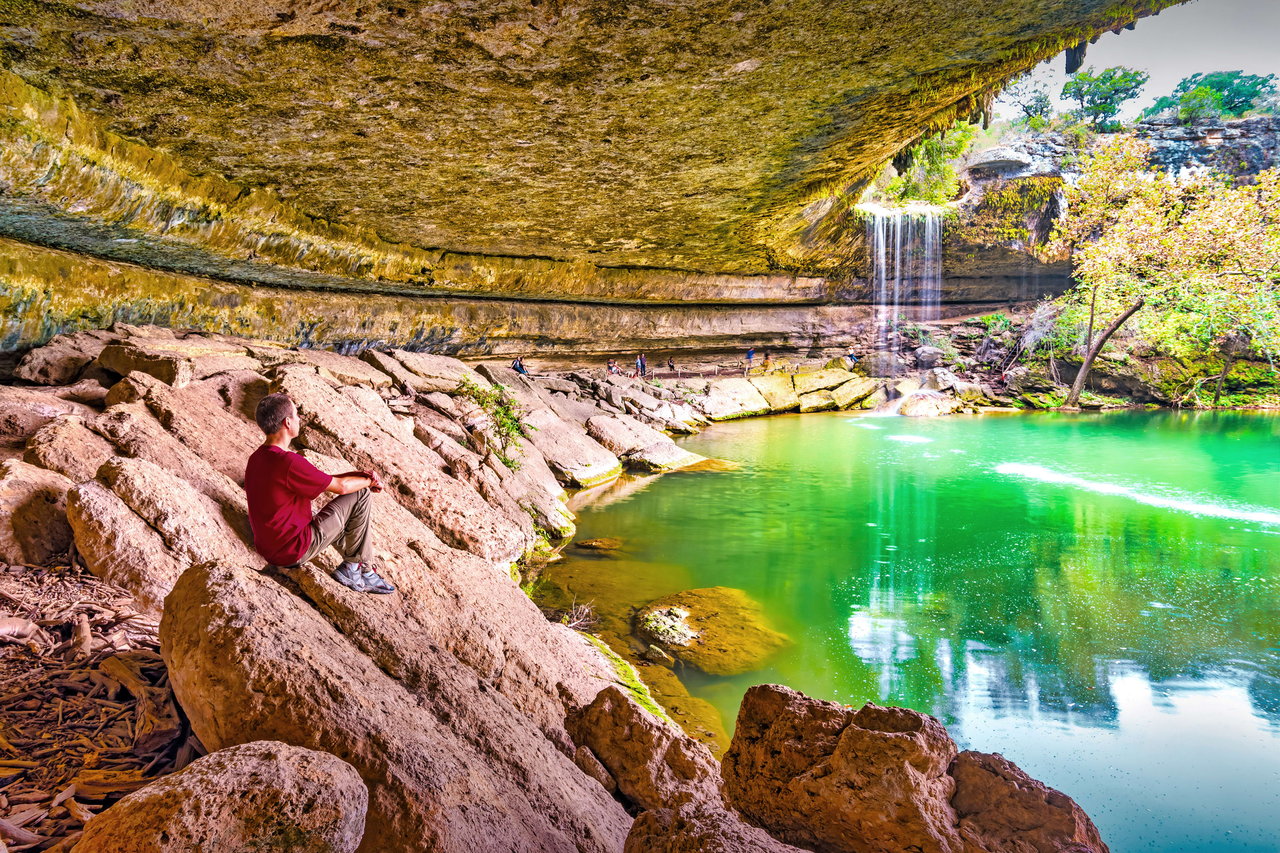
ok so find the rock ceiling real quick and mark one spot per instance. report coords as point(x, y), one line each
point(683, 134)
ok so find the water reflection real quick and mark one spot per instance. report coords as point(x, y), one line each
point(1111, 626)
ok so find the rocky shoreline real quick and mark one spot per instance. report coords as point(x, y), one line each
point(468, 716)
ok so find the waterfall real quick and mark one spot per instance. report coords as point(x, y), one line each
point(906, 268)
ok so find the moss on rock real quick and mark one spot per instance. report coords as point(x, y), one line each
point(720, 630)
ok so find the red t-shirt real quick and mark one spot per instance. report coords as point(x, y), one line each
point(281, 485)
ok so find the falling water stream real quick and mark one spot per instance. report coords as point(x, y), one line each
point(906, 268)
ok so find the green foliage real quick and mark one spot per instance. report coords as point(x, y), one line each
point(1200, 102)
point(1031, 98)
point(996, 323)
point(1199, 257)
point(931, 176)
point(1010, 212)
point(504, 413)
point(1236, 92)
point(1100, 95)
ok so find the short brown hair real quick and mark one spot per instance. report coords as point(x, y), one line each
point(271, 412)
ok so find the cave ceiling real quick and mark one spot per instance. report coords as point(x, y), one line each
point(685, 135)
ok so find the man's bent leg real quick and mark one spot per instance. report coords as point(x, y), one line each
point(356, 544)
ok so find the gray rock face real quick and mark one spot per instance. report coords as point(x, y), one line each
point(260, 797)
point(1240, 147)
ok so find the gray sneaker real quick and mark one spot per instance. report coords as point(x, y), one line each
point(350, 578)
point(374, 582)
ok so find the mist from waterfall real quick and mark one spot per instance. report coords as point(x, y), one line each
point(906, 268)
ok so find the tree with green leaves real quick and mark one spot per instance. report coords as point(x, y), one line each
point(1031, 98)
point(928, 171)
point(1202, 251)
point(1200, 102)
point(1237, 92)
point(1101, 95)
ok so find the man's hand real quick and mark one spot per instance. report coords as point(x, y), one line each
point(354, 481)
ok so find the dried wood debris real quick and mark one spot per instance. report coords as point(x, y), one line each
point(86, 713)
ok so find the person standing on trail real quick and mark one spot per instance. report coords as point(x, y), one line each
point(751, 356)
point(281, 485)
point(642, 367)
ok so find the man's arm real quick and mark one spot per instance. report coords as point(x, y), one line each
point(345, 484)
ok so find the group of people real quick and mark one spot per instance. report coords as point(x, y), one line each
point(642, 366)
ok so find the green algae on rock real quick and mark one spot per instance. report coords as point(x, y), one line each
point(720, 630)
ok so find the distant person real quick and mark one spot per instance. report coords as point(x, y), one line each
point(853, 357)
point(765, 366)
point(611, 367)
point(518, 366)
point(642, 367)
point(671, 364)
point(280, 486)
point(751, 357)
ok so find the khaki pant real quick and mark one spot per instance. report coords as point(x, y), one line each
point(344, 522)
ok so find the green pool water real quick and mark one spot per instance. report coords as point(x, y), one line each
point(1097, 597)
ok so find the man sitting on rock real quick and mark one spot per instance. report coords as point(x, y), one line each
point(281, 484)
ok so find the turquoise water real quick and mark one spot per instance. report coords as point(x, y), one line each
point(1097, 597)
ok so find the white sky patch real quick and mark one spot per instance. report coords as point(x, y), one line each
point(1200, 36)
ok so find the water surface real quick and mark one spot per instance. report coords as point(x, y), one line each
point(1097, 597)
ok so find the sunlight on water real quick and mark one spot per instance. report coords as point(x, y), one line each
point(1044, 475)
point(1118, 642)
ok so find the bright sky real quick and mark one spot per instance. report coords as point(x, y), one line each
point(1203, 35)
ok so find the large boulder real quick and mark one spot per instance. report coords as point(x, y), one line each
point(119, 547)
point(1003, 809)
point(654, 764)
point(827, 777)
point(641, 447)
point(63, 358)
point(853, 392)
point(820, 380)
point(720, 630)
point(673, 778)
point(881, 780)
point(260, 797)
point(817, 401)
point(779, 390)
point(23, 411)
point(732, 398)
point(929, 404)
point(175, 361)
point(69, 447)
point(577, 460)
point(33, 514)
point(451, 764)
point(436, 372)
point(700, 827)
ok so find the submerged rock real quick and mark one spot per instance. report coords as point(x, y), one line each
point(720, 630)
point(600, 543)
point(260, 797)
